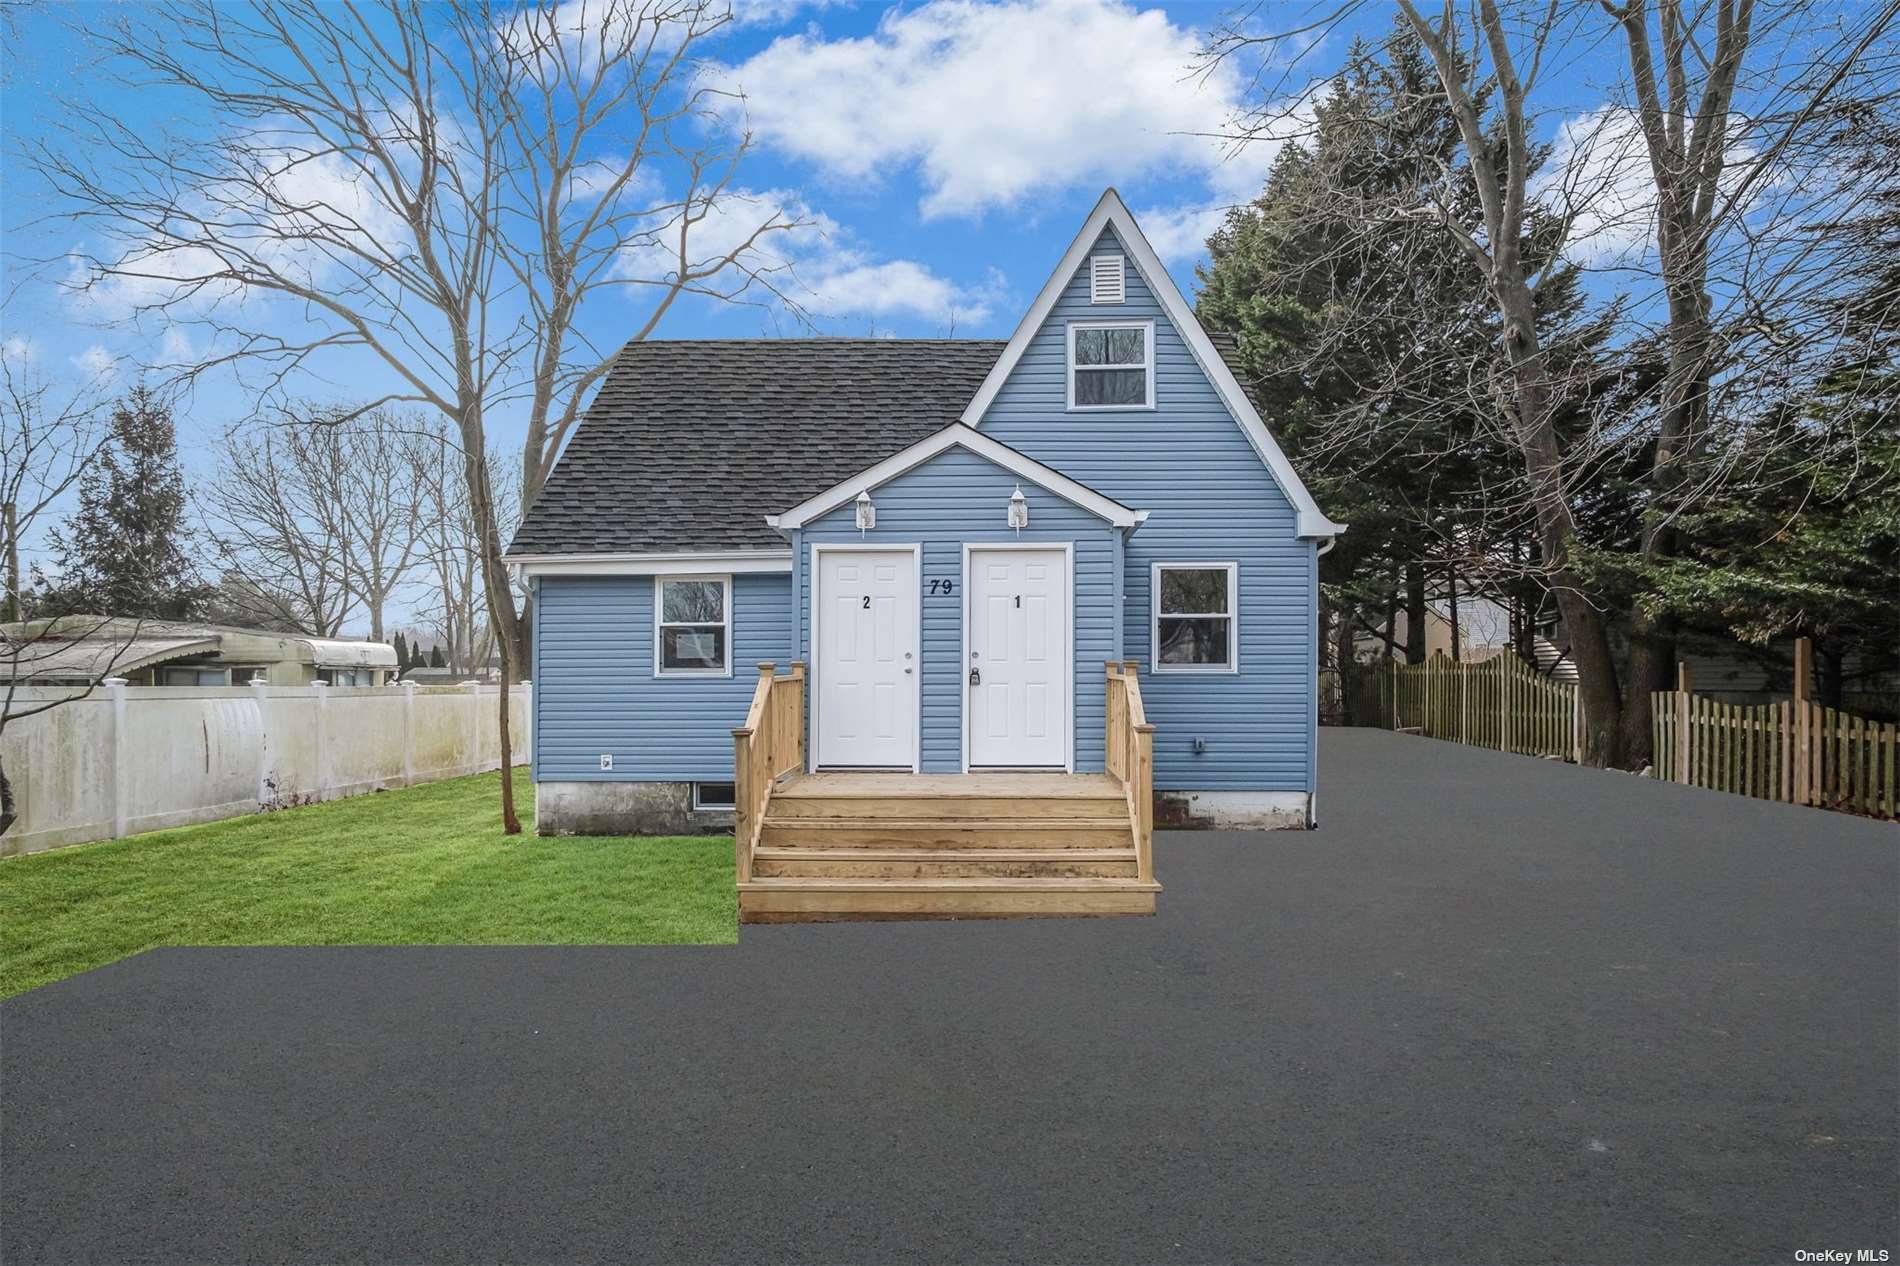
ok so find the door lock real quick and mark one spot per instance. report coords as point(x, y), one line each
point(976, 676)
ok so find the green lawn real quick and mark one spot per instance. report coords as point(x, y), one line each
point(423, 866)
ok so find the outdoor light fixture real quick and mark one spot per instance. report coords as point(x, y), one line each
point(867, 513)
point(1018, 509)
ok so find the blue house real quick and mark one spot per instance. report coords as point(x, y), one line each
point(936, 627)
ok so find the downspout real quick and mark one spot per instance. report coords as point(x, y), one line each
point(1312, 751)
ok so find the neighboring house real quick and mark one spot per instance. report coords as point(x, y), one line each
point(79, 650)
point(955, 536)
point(427, 676)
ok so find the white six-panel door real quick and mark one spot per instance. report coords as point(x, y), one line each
point(1017, 672)
point(864, 618)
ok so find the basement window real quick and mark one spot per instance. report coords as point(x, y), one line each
point(713, 797)
point(1111, 365)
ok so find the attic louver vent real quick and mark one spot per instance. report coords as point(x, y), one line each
point(1105, 279)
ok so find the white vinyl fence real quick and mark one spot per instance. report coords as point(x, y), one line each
point(141, 758)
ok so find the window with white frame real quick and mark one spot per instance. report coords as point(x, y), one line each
point(1111, 365)
point(1195, 628)
point(692, 626)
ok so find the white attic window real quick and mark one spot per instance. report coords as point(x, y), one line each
point(1105, 279)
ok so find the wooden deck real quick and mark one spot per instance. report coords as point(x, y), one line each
point(876, 845)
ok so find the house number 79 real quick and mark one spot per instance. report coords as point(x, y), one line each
point(943, 586)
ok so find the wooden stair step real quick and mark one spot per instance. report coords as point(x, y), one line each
point(887, 806)
point(944, 832)
point(819, 900)
point(906, 863)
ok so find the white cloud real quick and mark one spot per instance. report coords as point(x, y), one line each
point(96, 363)
point(1599, 172)
point(19, 351)
point(819, 266)
point(993, 104)
point(1180, 234)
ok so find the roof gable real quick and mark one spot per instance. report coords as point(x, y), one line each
point(959, 436)
point(1112, 215)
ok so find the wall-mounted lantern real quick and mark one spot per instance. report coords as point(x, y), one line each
point(1018, 509)
point(867, 513)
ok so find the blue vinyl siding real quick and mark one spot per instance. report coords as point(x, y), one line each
point(595, 691)
point(958, 497)
point(1211, 499)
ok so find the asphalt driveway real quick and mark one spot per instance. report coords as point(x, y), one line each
point(1494, 1009)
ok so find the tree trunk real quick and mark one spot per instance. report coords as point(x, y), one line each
point(1652, 667)
point(8, 811)
point(14, 613)
point(1348, 669)
point(1414, 613)
point(1831, 680)
point(1451, 580)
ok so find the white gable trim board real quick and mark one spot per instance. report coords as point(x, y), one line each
point(729, 562)
point(957, 435)
point(1111, 212)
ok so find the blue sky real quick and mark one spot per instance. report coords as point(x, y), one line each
point(946, 151)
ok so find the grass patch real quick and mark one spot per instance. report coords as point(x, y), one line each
point(422, 866)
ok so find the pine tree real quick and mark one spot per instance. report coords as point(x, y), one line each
point(402, 651)
point(124, 550)
point(1370, 339)
point(435, 657)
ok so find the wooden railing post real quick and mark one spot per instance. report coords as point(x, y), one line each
point(1685, 743)
point(1803, 721)
point(798, 715)
point(1144, 784)
point(742, 803)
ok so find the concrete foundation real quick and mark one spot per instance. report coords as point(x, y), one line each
point(623, 808)
point(1232, 810)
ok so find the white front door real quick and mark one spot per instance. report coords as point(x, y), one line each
point(864, 626)
point(1018, 648)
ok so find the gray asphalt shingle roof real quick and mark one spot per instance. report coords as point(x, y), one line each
point(691, 443)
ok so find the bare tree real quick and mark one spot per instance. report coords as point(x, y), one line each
point(315, 524)
point(435, 189)
point(1739, 277)
point(48, 439)
point(275, 515)
point(453, 611)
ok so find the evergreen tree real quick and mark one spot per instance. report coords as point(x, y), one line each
point(402, 651)
point(1807, 542)
point(435, 657)
point(124, 550)
point(1371, 342)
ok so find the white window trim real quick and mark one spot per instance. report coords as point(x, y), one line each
point(659, 590)
point(1148, 364)
point(1154, 618)
point(701, 807)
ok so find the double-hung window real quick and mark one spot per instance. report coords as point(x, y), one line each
point(1195, 626)
point(1112, 365)
point(692, 618)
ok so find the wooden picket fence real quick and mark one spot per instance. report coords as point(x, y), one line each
point(1794, 751)
point(1501, 703)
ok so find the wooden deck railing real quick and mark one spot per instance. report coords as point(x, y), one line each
point(768, 746)
point(1130, 757)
